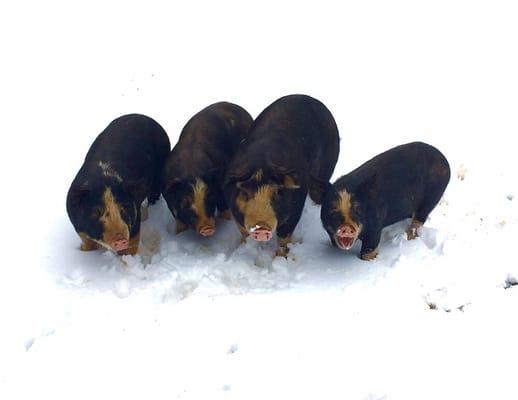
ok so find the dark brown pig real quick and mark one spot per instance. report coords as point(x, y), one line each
point(404, 182)
point(193, 174)
point(121, 169)
point(291, 149)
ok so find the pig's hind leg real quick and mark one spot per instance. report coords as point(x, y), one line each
point(430, 200)
point(154, 191)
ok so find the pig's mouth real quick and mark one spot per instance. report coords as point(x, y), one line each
point(260, 233)
point(346, 236)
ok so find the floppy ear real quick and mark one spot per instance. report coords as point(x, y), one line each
point(279, 169)
point(318, 189)
point(236, 176)
point(137, 189)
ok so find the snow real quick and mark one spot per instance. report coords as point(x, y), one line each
point(210, 318)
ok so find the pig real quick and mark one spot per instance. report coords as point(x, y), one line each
point(406, 181)
point(121, 169)
point(193, 173)
point(292, 147)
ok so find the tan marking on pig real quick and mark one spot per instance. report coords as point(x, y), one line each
point(132, 247)
point(114, 227)
point(258, 210)
point(371, 255)
point(87, 244)
point(289, 182)
point(283, 250)
point(109, 171)
point(411, 233)
point(343, 206)
point(198, 204)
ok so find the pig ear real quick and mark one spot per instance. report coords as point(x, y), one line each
point(136, 189)
point(318, 188)
point(280, 169)
point(237, 176)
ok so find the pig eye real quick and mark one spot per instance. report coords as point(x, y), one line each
point(244, 195)
point(97, 212)
point(186, 202)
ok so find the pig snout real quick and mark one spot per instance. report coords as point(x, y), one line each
point(119, 244)
point(346, 236)
point(346, 231)
point(206, 230)
point(261, 233)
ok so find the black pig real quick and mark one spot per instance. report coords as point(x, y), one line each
point(193, 173)
point(292, 147)
point(404, 182)
point(120, 170)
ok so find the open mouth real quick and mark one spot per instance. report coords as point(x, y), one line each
point(345, 237)
point(345, 243)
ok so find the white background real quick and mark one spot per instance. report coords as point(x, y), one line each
point(444, 72)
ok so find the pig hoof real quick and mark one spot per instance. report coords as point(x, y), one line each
point(225, 215)
point(131, 251)
point(88, 244)
point(282, 252)
point(371, 255)
point(89, 247)
point(411, 234)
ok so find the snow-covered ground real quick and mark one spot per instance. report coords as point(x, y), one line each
point(193, 318)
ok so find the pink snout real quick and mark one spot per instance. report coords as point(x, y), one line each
point(207, 230)
point(119, 245)
point(261, 234)
point(346, 231)
point(345, 237)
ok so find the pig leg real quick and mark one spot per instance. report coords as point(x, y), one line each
point(180, 226)
point(411, 233)
point(88, 244)
point(244, 233)
point(132, 248)
point(283, 250)
point(431, 197)
point(370, 242)
point(223, 209)
point(154, 192)
point(285, 229)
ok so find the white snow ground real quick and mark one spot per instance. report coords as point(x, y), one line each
point(192, 318)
